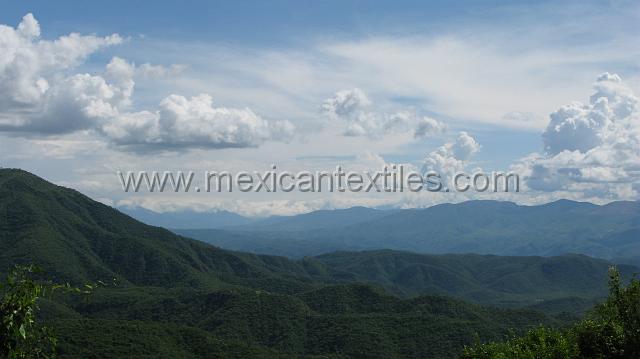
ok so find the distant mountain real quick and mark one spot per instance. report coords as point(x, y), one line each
point(486, 227)
point(504, 228)
point(191, 220)
point(322, 219)
point(286, 243)
point(186, 219)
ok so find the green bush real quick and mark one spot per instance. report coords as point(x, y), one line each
point(611, 331)
point(20, 334)
point(540, 343)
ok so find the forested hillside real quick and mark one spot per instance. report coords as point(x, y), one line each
point(177, 297)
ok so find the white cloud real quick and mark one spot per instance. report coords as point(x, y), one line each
point(428, 127)
point(452, 157)
point(353, 109)
point(38, 96)
point(346, 103)
point(582, 127)
point(464, 147)
point(195, 122)
point(469, 76)
point(28, 64)
point(592, 149)
point(158, 71)
point(265, 208)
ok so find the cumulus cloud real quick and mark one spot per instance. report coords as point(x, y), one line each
point(354, 109)
point(427, 127)
point(194, 121)
point(346, 102)
point(452, 157)
point(28, 63)
point(591, 149)
point(464, 147)
point(581, 127)
point(38, 95)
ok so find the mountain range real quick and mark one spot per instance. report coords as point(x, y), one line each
point(186, 219)
point(610, 231)
point(178, 297)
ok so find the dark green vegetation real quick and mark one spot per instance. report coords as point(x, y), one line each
point(347, 320)
point(178, 297)
point(611, 330)
point(20, 335)
point(569, 283)
point(610, 232)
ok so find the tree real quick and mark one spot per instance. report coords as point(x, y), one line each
point(20, 334)
point(611, 331)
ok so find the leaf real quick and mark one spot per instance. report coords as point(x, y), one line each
point(23, 332)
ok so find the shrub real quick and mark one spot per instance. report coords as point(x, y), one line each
point(611, 331)
point(20, 335)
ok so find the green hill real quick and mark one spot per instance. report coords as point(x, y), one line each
point(352, 320)
point(77, 239)
point(179, 297)
point(496, 280)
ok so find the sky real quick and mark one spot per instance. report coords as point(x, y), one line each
point(544, 89)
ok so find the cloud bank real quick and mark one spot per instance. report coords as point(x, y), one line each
point(39, 96)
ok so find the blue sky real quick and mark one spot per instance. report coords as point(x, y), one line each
point(273, 23)
point(159, 85)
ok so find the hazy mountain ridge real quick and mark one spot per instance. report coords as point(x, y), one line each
point(186, 219)
point(225, 220)
point(321, 219)
point(488, 227)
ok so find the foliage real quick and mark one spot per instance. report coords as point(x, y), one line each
point(345, 319)
point(540, 343)
point(20, 334)
point(486, 279)
point(611, 331)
